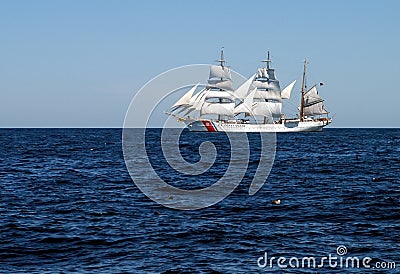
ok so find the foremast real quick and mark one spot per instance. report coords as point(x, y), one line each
point(216, 98)
point(219, 99)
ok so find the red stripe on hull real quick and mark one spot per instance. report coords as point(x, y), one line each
point(209, 126)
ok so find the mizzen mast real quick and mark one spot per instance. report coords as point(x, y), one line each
point(303, 87)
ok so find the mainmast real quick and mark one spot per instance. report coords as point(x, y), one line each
point(268, 94)
point(221, 60)
point(268, 61)
point(303, 87)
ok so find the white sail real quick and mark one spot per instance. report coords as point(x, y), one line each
point(265, 73)
point(315, 109)
point(268, 94)
point(182, 109)
point(259, 73)
point(272, 85)
point(313, 103)
point(260, 84)
point(243, 90)
point(312, 95)
point(287, 91)
point(216, 108)
point(195, 97)
point(185, 99)
point(219, 94)
point(199, 100)
point(267, 109)
point(220, 72)
point(195, 102)
point(259, 96)
point(224, 84)
point(247, 105)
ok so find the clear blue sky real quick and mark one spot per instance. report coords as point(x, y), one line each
point(79, 63)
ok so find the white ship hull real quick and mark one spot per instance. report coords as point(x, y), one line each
point(239, 126)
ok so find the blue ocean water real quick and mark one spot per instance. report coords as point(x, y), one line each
point(68, 204)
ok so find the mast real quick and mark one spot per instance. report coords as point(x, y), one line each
point(268, 97)
point(303, 86)
point(221, 61)
point(268, 61)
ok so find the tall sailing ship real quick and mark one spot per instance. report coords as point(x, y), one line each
point(256, 106)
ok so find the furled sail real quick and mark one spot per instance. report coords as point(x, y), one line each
point(259, 96)
point(267, 95)
point(265, 78)
point(262, 73)
point(313, 103)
